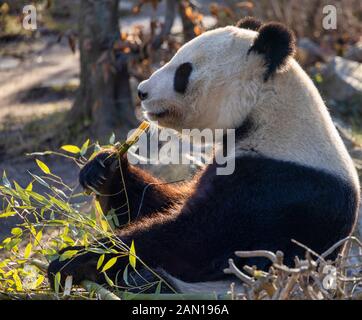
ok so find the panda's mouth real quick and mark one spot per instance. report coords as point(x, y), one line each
point(157, 115)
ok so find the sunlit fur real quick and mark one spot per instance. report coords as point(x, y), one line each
point(227, 86)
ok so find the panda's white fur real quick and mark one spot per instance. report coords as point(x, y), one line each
point(226, 86)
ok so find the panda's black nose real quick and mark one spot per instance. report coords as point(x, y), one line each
point(142, 95)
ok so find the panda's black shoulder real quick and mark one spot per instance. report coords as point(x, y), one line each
point(277, 185)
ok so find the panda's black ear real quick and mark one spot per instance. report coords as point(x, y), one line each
point(250, 23)
point(276, 43)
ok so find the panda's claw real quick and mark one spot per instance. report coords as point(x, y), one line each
point(99, 182)
point(102, 177)
point(101, 162)
point(95, 173)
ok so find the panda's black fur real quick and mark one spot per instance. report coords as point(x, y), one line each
point(276, 43)
point(182, 76)
point(190, 230)
point(250, 23)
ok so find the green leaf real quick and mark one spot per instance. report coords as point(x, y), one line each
point(110, 264)
point(97, 147)
point(97, 250)
point(132, 256)
point(57, 279)
point(39, 281)
point(125, 275)
point(84, 148)
point(112, 139)
point(158, 289)
point(19, 285)
point(109, 281)
point(61, 204)
point(21, 193)
point(100, 261)
point(6, 182)
point(27, 250)
point(68, 254)
point(71, 149)
point(38, 237)
point(29, 187)
point(13, 243)
point(16, 231)
point(40, 180)
point(112, 215)
point(98, 207)
point(7, 214)
point(38, 197)
point(43, 166)
point(318, 78)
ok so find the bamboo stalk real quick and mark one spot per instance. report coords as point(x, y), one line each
point(86, 284)
point(123, 148)
point(90, 286)
point(98, 289)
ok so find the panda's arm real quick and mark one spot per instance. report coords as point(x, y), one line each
point(139, 196)
point(187, 241)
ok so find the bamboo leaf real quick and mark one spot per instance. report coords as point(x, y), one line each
point(68, 255)
point(71, 149)
point(125, 275)
point(104, 225)
point(84, 148)
point(110, 264)
point(158, 289)
point(132, 255)
point(57, 279)
point(19, 285)
point(6, 182)
point(7, 214)
point(27, 250)
point(112, 139)
point(43, 166)
point(38, 237)
point(40, 180)
point(109, 281)
point(16, 231)
point(100, 261)
point(39, 281)
point(29, 187)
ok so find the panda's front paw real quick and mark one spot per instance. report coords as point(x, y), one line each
point(96, 172)
point(82, 266)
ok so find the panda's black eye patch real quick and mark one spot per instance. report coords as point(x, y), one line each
point(182, 76)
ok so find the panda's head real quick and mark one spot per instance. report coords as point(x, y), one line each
point(214, 80)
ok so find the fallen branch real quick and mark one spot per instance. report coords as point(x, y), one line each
point(340, 243)
point(257, 253)
point(232, 269)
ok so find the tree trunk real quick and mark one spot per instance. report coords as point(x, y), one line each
point(187, 25)
point(104, 101)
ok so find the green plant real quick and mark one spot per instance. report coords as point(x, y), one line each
point(52, 219)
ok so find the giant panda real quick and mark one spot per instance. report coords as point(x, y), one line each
point(293, 176)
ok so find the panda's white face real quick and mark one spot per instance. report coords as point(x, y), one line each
point(211, 82)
